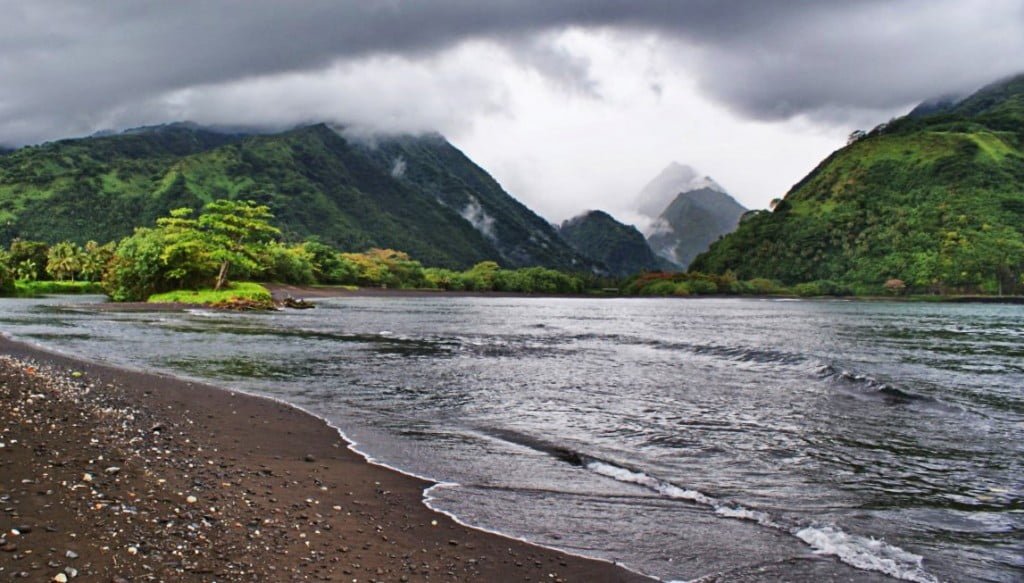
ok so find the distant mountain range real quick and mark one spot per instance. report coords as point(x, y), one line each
point(934, 199)
point(420, 194)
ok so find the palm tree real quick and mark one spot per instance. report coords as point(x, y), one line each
point(64, 260)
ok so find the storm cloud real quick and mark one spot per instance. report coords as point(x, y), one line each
point(543, 93)
point(76, 65)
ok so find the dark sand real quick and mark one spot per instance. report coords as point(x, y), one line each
point(111, 475)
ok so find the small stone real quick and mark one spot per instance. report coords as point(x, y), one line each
point(112, 470)
point(71, 572)
point(310, 458)
point(191, 499)
point(86, 477)
point(133, 550)
point(60, 578)
point(71, 555)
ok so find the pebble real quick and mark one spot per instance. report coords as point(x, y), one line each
point(71, 555)
point(60, 578)
point(191, 499)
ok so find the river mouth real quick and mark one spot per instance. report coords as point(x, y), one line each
point(684, 439)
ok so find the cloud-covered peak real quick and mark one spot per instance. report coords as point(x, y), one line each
point(675, 179)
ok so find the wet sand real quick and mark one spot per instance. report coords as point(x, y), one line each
point(114, 475)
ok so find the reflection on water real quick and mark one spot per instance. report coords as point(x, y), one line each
point(684, 438)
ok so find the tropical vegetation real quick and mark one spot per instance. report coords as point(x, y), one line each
point(934, 200)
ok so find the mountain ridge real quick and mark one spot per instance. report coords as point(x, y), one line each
point(621, 248)
point(318, 183)
point(691, 222)
point(935, 201)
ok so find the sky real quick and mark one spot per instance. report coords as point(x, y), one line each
point(570, 104)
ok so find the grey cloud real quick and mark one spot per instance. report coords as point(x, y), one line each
point(67, 64)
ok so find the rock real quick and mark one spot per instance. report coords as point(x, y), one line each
point(60, 578)
point(71, 555)
point(191, 499)
point(309, 458)
point(112, 470)
point(71, 572)
point(297, 304)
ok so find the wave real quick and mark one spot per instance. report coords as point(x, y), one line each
point(866, 553)
point(871, 385)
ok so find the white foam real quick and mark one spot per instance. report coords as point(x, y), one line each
point(866, 553)
point(623, 475)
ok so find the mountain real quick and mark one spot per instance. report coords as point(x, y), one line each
point(655, 197)
point(693, 221)
point(686, 212)
point(621, 248)
point(934, 200)
point(420, 195)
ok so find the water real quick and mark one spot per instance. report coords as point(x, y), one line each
point(685, 438)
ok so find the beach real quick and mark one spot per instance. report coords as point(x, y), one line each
point(108, 474)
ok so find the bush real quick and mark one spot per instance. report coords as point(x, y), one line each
point(287, 265)
point(665, 287)
point(702, 286)
point(32, 289)
point(807, 290)
point(245, 291)
point(6, 278)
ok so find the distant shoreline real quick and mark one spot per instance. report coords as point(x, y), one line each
point(281, 291)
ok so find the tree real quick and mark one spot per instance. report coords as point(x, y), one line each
point(64, 260)
point(95, 260)
point(33, 251)
point(895, 286)
point(235, 232)
point(26, 270)
point(227, 233)
point(7, 276)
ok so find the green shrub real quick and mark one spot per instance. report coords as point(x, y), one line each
point(702, 286)
point(665, 287)
point(285, 264)
point(31, 289)
point(234, 291)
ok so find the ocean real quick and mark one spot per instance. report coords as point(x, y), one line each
point(723, 439)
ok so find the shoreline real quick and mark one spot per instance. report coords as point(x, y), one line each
point(281, 291)
point(325, 510)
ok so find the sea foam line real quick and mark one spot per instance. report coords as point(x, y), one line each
point(866, 553)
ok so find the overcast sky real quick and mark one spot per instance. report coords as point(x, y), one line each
point(570, 104)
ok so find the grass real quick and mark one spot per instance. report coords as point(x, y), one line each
point(246, 291)
point(32, 289)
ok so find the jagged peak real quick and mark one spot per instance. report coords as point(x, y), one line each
point(674, 179)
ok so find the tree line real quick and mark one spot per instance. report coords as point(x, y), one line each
point(237, 240)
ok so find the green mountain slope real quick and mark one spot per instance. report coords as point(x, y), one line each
point(621, 248)
point(934, 200)
point(316, 182)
